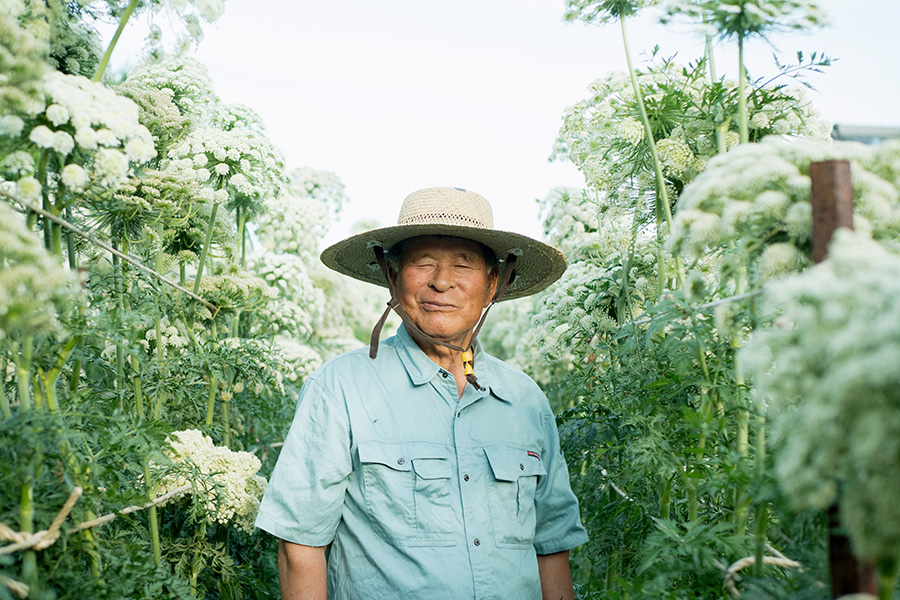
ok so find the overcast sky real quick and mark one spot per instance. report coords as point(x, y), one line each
point(396, 95)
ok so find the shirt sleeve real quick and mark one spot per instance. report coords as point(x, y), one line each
point(558, 526)
point(304, 499)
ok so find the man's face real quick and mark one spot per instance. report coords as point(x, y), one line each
point(444, 284)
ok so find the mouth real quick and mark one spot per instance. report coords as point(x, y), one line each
point(436, 306)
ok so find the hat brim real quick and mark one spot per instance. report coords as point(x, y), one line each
point(537, 264)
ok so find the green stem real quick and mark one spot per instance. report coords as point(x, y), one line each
point(648, 131)
point(710, 56)
point(197, 563)
point(762, 525)
point(160, 350)
point(206, 244)
point(211, 403)
point(26, 525)
point(120, 352)
point(154, 518)
point(23, 373)
point(70, 243)
point(691, 491)
point(242, 232)
point(4, 403)
point(138, 390)
point(115, 40)
point(665, 498)
point(226, 418)
point(742, 93)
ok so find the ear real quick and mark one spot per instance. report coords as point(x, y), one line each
point(491, 287)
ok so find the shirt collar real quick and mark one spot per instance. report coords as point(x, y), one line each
point(422, 369)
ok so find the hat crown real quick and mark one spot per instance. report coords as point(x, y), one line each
point(446, 206)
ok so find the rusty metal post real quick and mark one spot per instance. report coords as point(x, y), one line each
point(832, 202)
point(832, 207)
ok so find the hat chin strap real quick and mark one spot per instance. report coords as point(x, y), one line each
point(394, 304)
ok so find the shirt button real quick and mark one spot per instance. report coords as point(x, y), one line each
point(477, 542)
point(521, 467)
point(445, 374)
point(401, 460)
point(458, 414)
point(466, 477)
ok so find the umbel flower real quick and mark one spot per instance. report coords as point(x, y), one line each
point(757, 196)
point(828, 368)
point(229, 488)
point(34, 288)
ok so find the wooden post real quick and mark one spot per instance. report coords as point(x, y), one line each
point(832, 207)
point(832, 202)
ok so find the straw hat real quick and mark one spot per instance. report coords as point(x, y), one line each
point(455, 212)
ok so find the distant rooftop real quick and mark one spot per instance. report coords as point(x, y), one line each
point(867, 134)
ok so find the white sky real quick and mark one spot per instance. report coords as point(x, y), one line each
point(396, 95)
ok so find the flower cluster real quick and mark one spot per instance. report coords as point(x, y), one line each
point(21, 62)
point(828, 368)
point(745, 18)
point(300, 359)
point(34, 288)
point(601, 135)
point(170, 339)
point(290, 276)
point(184, 80)
point(751, 205)
point(239, 160)
point(84, 124)
point(230, 490)
point(236, 289)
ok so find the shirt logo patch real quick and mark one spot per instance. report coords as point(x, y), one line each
point(534, 454)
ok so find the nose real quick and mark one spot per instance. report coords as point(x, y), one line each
point(442, 278)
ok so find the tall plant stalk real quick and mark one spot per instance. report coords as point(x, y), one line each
point(120, 351)
point(742, 92)
point(206, 245)
point(4, 403)
point(101, 68)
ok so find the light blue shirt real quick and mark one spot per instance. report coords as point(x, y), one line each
point(420, 493)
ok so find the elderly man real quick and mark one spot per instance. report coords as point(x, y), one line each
point(427, 468)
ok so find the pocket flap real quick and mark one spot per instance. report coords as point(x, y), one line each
point(432, 468)
point(389, 455)
point(508, 464)
point(400, 455)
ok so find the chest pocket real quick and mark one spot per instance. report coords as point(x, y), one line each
point(511, 493)
point(407, 488)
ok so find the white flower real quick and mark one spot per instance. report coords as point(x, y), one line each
point(63, 142)
point(18, 163)
point(221, 169)
point(11, 125)
point(107, 138)
point(759, 120)
point(42, 136)
point(29, 189)
point(140, 150)
point(111, 166)
point(631, 131)
point(86, 138)
point(74, 177)
point(57, 114)
point(230, 486)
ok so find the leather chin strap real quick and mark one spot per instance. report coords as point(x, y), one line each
point(394, 304)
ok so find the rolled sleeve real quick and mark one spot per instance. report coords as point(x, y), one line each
point(558, 526)
point(304, 499)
